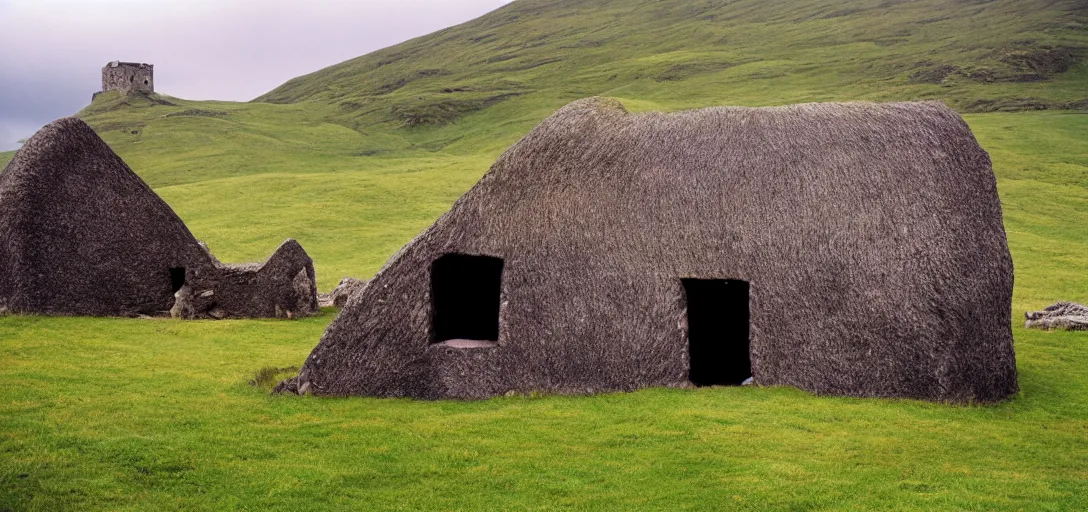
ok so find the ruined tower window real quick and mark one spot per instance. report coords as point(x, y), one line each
point(718, 331)
point(465, 295)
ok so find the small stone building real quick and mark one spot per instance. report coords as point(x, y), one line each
point(128, 77)
point(284, 286)
point(847, 249)
point(81, 234)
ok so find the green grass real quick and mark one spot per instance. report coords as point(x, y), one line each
point(155, 414)
point(535, 55)
point(159, 415)
point(472, 90)
point(127, 414)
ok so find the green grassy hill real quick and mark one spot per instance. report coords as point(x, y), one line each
point(354, 160)
point(532, 56)
point(477, 87)
point(442, 107)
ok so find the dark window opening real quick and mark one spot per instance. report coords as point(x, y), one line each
point(177, 279)
point(465, 294)
point(145, 82)
point(718, 332)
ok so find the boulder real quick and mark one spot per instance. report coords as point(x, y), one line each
point(339, 297)
point(1063, 316)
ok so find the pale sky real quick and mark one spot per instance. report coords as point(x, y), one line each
point(52, 51)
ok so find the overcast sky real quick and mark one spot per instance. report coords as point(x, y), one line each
point(52, 51)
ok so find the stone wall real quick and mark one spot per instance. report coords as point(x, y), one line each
point(128, 77)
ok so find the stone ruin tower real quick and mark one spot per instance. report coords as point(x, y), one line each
point(128, 77)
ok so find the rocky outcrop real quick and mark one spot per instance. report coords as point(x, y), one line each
point(339, 297)
point(1063, 316)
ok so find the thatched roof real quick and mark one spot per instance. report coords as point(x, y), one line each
point(871, 236)
point(81, 234)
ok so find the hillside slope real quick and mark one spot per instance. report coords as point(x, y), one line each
point(475, 88)
point(977, 55)
point(355, 159)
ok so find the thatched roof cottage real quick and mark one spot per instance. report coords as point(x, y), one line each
point(849, 249)
point(81, 234)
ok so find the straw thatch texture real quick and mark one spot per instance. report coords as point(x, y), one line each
point(871, 236)
point(81, 234)
point(1062, 316)
point(282, 287)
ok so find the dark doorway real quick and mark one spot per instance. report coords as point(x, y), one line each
point(465, 291)
point(718, 344)
point(177, 279)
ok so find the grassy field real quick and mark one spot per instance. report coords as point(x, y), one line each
point(159, 414)
point(131, 414)
point(472, 83)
